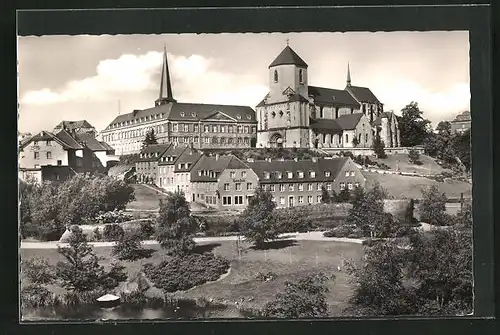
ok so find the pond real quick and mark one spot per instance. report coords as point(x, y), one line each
point(182, 310)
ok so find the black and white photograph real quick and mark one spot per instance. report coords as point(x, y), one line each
point(245, 176)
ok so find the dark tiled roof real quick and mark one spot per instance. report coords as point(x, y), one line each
point(292, 98)
point(66, 137)
point(343, 122)
point(332, 96)
point(63, 138)
point(190, 112)
point(363, 94)
point(217, 165)
point(321, 165)
point(73, 124)
point(288, 56)
point(90, 142)
point(189, 156)
point(175, 150)
point(155, 149)
point(106, 146)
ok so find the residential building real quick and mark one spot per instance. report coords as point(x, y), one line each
point(79, 127)
point(202, 125)
point(223, 182)
point(166, 166)
point(296, 114)
point(182, 170)
point(300, 182)
point(461, 123)
point(147, 165)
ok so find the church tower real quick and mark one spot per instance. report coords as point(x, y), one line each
point(283, 115)
point(166, 95)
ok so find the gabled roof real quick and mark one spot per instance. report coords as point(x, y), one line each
point(330, 96)
point(288, 56)
point(175, 150)
point(216, 164)
point(384, 115)
point(90, 142)
point(321, 165)
point(62, 137)
point(106, 146)
point(291, 98)
point(155, 149)
point(66, 137)
point(343, 122)
point(189, 156)
point(73, 124)
point(363, 94)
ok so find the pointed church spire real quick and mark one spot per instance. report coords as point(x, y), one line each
point(166, 94)
point(348, 75)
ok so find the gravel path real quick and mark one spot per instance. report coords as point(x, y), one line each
point(310, 236)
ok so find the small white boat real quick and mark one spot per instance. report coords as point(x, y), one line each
point(108, 301)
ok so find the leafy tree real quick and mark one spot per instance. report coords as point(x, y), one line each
point(175, 226)
point(38, 271)
point(357, 195)
point(258, 222)
point(45, 209)
point(368, 213)
point(461, 145)
point(325, 196)
point(81, 270)
point(149, 139)
point(344, 195)
point(414, 157)
point(129, 248)
point(413, 127)
point(378, 147)
point(433, 207)
point(304, 297)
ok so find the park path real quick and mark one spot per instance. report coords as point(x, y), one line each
point(310, 236)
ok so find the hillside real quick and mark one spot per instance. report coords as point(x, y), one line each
point(410, 187)
point(429, 165)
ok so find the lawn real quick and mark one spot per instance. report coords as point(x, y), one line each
point(145, 199)
point(287, 261)
point(395, 161)
point(410, 187)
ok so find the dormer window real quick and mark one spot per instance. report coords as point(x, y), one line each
point(275, 76)
point(238, 117)
point(199, 173)
point(182, 114)
point(300, 174)
point(267, 175)
point(249, 117)
point(289, 175)
point(279, 175)
point(327, 173)
point(193, 114)
point(312, 174)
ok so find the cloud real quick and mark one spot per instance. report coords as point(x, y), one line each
point(194, 78)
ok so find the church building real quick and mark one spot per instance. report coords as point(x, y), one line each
point(199, 125)
point(296, 114)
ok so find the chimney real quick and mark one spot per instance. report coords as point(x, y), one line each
point(216, 157)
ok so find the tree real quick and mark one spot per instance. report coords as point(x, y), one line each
point(368, 213)
point(304, 297)
point(412, 126)
point(433, 207)
point(344, 195)
point(378, 146)
point(81, 270)
point(175, 226)
point(357, 195)
point(129, 247)
point(461, 145)
point(150, 138)
point(258, 222)
point(38, 271)
point(414, 157)
point(325, 196)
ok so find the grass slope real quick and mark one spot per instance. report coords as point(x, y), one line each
point(429, 165)
point(145, 198)
point(287, 261)
point(410, 187)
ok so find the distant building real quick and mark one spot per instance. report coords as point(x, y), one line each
point(300, 182)
point(166, 166)
point(223, 182)
point(296, 114)
point(202, 125)
point(461, 123)
point(79, 127)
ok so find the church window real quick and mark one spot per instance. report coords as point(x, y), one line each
point(301, 76)
point(275, 76)
point(273, 114)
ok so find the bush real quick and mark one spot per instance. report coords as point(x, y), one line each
point(414, 157)
point(113, 232)
point(129, 248)
point(183, 272)
point(113, 217)
point(75, 298)
point(35, 296)
point(97, 234)
point(146, 230)
point(38, 271)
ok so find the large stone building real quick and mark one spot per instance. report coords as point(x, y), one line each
point(203, 125)
point(461, 123)
point(296, 114)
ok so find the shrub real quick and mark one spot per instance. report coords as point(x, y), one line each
point(183, 272)
point(113, 217)
point(97, 234)
point(76, 298)
point(414, 157)
point(113, 232)
point(34, 296)
point(129, 248)
point(146, 229)
point(266, 276)
point(38, 271)
point(433, 206)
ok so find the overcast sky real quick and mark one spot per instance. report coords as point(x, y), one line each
point(85, 77)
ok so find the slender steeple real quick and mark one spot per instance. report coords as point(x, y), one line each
point(348, 75)
point(166, 95)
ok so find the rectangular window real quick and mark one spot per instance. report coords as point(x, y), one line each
point(282, 200)
point(246, 129)
point(175, 127)
point(290, 175)
point(186, 128)
point(49, 155)
point(240, 129)
point(237, 186)
point(267, 175)
point(328, 187)
point(342, 186)
point(232, 174)
point(349, 186)
point(205, 129)
point(58, 177)
point(347, 173)
point(282, 187)
point(48, 143)
point(301, 199)
point(226, 201)
point(37, 155)
point(196, 128)
point(273, 188)
point(290, 187)
point(356, 184)
point(300, 174)
point(353, 173)
point(279, 175)
point(327, 173)
point(243, 174)
point(215, 128)
point(318, 186)
point(309, 187)
point(226, 187)
point(301, 187)
point(238, 200)
point(59, 162)
point(318, 199)
point(249, 186)
point(312, 174)
point(310, 199)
